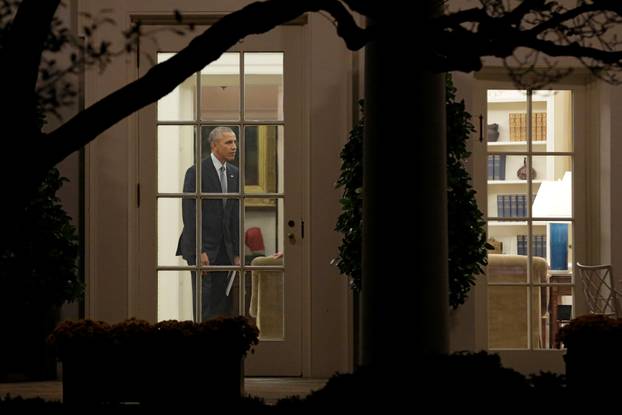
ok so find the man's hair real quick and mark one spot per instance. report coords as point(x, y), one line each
point(218, 132)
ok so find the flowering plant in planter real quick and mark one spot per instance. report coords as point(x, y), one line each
point(593, 344)
point(591, 331)
point(136, 361)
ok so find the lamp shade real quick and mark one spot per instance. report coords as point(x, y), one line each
point(554, 198)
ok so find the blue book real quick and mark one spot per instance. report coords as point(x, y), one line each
point(507, 205)
point(500, 167)
point(514, 205)
point(522, 205)
point(540, 246)
point(521, 244)
point(500, 211)
point(491, 167)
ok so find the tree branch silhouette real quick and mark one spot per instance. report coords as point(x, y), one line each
point(454, 41)
point(585, 32)
point(255, 18)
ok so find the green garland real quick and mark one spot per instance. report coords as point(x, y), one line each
point(467, 237)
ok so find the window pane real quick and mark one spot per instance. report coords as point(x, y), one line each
point(175, 295)
point(554, 192)
point(220, 293)
point(263, 157)
point(170, 224)
point(560, 310)
point(175, 156)
point(220, 236)
point(507, 317)
point(221, 145)
point(552, 120)
point(220, 89)
point(267, 299)
point(180, 104)
point(507, 122)
point(263, 86)
point(263, 222)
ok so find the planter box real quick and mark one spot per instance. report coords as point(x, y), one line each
point(155, 364)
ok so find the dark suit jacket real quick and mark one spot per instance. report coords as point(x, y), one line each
point(219, 224)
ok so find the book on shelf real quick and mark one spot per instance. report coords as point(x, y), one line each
point(539, 127)
point(521, 205)
point(512, 206)
point(496, 167)
point(538, 245)
point(518, 126)
point(507, 205)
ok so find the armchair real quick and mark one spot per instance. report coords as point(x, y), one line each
point(507, 305)
point(267, 298)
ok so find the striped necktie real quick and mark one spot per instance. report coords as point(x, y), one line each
point(223, 183)
point(223, 179)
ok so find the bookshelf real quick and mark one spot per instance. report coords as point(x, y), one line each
point(507, 193)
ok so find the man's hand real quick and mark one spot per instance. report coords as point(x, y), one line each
point(236, 260)
point(204, 259)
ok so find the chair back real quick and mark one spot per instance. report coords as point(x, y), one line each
point(600, 294)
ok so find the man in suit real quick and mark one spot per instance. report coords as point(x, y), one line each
point(220, 226)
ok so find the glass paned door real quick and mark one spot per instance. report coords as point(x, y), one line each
point(530, 164)
point(221, 186)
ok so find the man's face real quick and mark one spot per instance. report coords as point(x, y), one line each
point(225, 147)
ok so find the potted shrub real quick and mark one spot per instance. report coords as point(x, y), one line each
point(38, 274)
point(168, 362)
point(593, 344)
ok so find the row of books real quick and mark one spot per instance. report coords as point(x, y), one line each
point(496, 167)
point(518, 126)
point(538, 245)
point(512, 206)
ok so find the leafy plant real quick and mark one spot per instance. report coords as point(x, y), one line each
point(350, 221)
point(39, 268)
point(467, 238)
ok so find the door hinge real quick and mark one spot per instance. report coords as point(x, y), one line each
point(302, 229)
point(137, 194)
